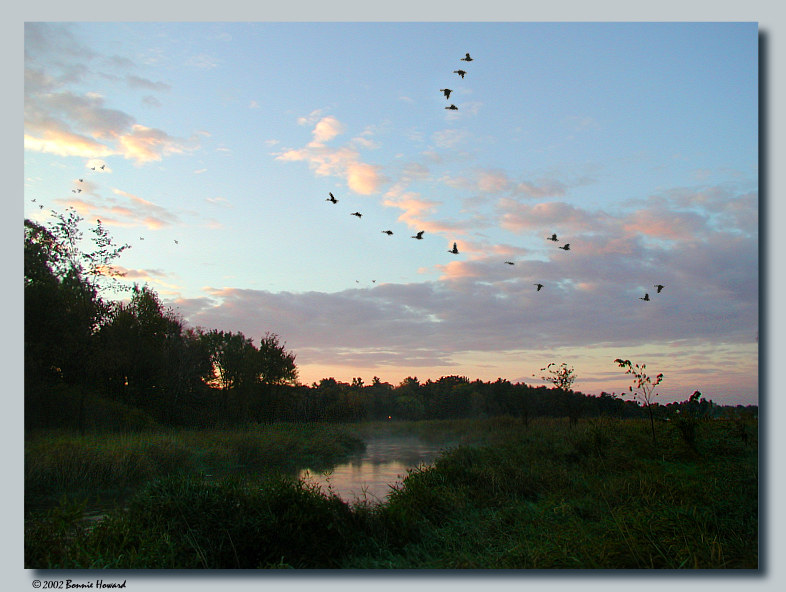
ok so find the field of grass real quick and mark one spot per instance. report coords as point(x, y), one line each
point(597, 495)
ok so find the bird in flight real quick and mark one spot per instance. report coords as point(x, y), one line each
point(454, 250)
point(33, 200)
point(358, 214)
point(466, 59)
point(452, 107)
point(92, 168)
point(566, 247)
point(539, 286)
point(553, 237)
point(102, 166)
point(419, 235)
point(446, 92)
point(81, 180)
point(659, 287)
point(510, 263)
point(388, 232)
point(141, 238)
point(177, 243)
point(332, 198)
point(646, 297)
point(459, 72)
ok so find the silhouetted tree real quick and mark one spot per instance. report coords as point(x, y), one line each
point(645, 388)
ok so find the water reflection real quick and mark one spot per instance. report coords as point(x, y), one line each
point(369, 475)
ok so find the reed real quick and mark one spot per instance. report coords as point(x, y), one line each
point(543, 496)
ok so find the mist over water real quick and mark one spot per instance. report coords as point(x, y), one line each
point(371, 474)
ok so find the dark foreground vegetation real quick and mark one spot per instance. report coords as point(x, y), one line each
point(545, 495)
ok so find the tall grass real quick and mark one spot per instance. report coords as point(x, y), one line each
point(62, 463)
point(543, 496)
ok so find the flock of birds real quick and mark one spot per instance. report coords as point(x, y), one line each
point(454, 251)
point(419, 235)
point(78, 190)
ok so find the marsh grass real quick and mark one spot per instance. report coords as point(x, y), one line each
point(544, 496)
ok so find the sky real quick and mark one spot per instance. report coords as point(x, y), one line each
point(634, 143)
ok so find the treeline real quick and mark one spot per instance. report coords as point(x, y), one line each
point(93, 362)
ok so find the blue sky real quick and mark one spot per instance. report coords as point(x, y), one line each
point(635, 143)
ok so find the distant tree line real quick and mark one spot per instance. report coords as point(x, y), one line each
point(94, 362)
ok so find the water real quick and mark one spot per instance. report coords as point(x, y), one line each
point(371, 474)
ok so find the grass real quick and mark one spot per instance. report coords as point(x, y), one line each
point(545, 496)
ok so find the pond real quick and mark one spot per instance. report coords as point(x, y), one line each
point(371, 474)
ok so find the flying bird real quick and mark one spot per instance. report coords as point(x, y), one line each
point(33, 200)
point(539, 286)
point(332, 198)
point(388, 232)
point(102, 166)
point(141, 238)
point(566, 247)
point(446, 92)
point(659, 287)
point(454, 250)
point(466, 59)
point(646, 297)
point(553, 237)
point(358, 214)
point(510, 263)
point(92, 168)
point(177, 243)
point(452, 107)
point(459, 72)
point(419, 235)
point(81, 180)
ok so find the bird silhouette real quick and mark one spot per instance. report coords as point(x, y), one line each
point(566, 247)
point(388, 232)
point(510, 263)
point(539, 286)
point(92, 168)
point(81, 180)
point(177, 243)
point(446, 92)
point(33, 200)
point(466, 59)
point(358, 214)
point(332, 198)
point(646, 297)
point(553, 237)
point(419, 235)
point(141, 238)
point(452, 107)
point(102, 166)
point(659, 287)
point(459, 72)
point(454, 250)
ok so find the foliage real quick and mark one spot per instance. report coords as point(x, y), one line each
point(541, 498)
point(645, 388)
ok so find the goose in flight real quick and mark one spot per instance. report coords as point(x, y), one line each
point(446, 92)
point(467, 58)
point(358, 214)
point(659, 287)
point(553, 237)
point(332, 198)
point(452, 107)
point(177, 243)
point(388, 232)
point(539, 286)
point(81, 180)
point(419, 235)
point(566, 247)
point(103, 166)
point(509, 263)
point(454, 250)
point(646, 297)
point(459, 72)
